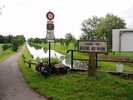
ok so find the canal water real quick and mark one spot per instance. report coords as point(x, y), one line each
point(66, 60)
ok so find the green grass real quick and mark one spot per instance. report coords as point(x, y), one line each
point(61, 49)
point(107, 66)
point(77, 86)
point(111, 66)
point(5, 54)
point(124, 53)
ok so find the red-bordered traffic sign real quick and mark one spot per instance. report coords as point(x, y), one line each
point(50, 15)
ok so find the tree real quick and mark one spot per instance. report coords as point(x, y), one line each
point(62, 42)
point(17, 41)
point(107, 23)
point(1, 39)
point(89, 28)
point(75, 43)
point(37, 40)
point(9, 38)
point(69, 39)
point(20, 39)
point(68, 36)
point(12, 41)
point(101, 28)
point(6, 46)
point(30, 40)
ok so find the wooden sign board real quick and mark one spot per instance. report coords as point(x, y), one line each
point(93, 46)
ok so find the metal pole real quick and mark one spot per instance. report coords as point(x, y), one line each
point(49, 53)
point(71, 58)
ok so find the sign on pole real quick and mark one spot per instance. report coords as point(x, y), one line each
point(50, 15)
point(50, 36)
point(50, 27)
point(50, 31)
point(93, 46)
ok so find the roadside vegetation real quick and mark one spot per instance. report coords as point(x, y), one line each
point(111, 66)
point(5, 54)
point(9, 45)
point(77, 85)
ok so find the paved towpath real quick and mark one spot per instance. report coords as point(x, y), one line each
point(12, 84)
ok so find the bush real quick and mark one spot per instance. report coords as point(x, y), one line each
point(53, 60)
point(6, 46)
point(14, 47)
point(46, 60)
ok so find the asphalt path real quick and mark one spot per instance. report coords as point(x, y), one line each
point(12, 83)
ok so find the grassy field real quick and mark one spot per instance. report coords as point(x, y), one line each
point(77, 86)
point(5, 54)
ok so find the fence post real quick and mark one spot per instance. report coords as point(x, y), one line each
point(72, 59)
point(29, 63)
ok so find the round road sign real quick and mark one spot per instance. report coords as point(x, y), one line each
point(50, 15)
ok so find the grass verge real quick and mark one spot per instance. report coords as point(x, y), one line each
point(111, 66)
point(77, 86)
point(5, 54)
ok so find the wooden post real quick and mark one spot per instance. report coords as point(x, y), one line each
point(92, 65)
point(29, 63)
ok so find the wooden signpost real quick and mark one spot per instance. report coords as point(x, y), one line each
point(93, 48)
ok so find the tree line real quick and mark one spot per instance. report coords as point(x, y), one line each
point(65, 42)
point(95, 28)
point(11, 41)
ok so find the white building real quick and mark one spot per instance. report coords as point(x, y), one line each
point(122, 39)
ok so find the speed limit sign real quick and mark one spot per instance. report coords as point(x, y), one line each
point(50, 15)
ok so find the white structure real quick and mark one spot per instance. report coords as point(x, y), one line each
point(122, 39)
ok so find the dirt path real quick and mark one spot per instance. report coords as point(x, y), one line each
point(12, 84)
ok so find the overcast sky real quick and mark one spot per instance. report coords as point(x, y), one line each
point(28, 17)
